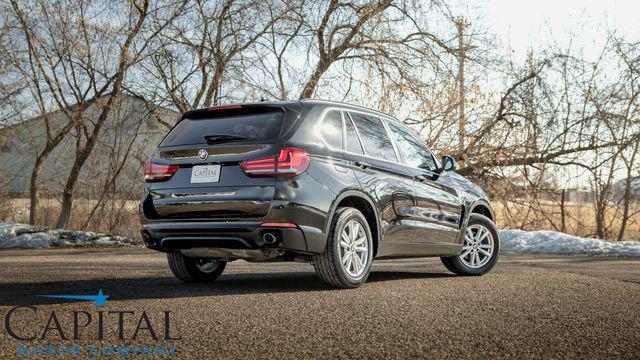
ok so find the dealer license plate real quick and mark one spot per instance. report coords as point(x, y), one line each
point(205, 174)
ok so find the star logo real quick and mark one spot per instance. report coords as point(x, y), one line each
point(100, 299)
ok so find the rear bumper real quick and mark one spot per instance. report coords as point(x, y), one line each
point(233, 221)
point(171, 236)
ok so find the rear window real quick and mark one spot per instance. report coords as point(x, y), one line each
point(332, 129)
point(253, 127)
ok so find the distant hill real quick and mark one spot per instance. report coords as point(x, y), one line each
point(132, 126)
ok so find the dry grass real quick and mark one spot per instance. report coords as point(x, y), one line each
point(120, 217)
point(579, 218)
point(117, 217)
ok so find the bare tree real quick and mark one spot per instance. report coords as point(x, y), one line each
point(69, 63)
point(55, 70)
point(562, 112)
point(193, 56)
point(138, 13)
point(368, 32)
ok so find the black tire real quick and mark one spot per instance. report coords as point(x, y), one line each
point(457, 266)
point(190, 269)
point(328, 265)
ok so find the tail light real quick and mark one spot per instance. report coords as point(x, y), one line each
point(224, 107)
point(154, 171)
point(290, 162)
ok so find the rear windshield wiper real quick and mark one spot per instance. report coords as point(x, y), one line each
point(212, 139)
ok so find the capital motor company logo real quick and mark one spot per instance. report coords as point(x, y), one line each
point(100, 332)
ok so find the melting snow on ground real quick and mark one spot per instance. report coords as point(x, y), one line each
point(21, 236)
point(552, 242)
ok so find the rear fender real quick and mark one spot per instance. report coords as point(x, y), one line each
point(358, 194)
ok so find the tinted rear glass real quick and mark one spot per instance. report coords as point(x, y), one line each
point(374, 137)
point(254, 127)
point(332, 129)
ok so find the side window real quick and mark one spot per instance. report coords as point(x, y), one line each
point(374, 137)
point(413, 150)
point(331, 129)
point(353, 142)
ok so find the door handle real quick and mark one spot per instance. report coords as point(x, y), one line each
point(362, 164)
point(430, 175)
point(419, 178)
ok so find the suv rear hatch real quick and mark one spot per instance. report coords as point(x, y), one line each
point(199, 171)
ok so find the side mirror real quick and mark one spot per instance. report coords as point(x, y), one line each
point(448, 163)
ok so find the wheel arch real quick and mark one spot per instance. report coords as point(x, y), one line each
point(482, 208)
point(362, 202)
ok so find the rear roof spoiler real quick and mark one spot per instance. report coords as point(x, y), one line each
point(237, 109)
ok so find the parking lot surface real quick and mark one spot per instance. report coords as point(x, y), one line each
point(528, 306)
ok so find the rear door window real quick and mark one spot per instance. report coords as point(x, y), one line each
point(260, 127)
point(374, 136)
point(331, 129)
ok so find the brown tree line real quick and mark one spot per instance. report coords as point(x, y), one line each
point(556, 121)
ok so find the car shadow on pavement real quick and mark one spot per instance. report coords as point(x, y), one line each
point(403, 275)
point(164, 287)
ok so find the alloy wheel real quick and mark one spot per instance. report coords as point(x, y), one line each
point(354, 248)
point(478, 246)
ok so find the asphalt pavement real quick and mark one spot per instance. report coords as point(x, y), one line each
point(527, 307)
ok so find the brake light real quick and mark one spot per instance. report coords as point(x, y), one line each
point(154, 171)
point(224, 107)
point(289, 162)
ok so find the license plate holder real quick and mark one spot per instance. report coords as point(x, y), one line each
point(205, 174)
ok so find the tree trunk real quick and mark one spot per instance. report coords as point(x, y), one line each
point(627, 192)
point(34, 185)
point(34, 188)
point(82, 154)
point(67, 202)
point(312, 83)
point(212, 97)
point(625, 211)
point(600, 212)
point(563, 212)
point(67, 192)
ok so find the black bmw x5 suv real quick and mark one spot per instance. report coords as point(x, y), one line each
point(329, 183)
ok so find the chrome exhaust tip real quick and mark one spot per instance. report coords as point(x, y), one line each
point(269, 238)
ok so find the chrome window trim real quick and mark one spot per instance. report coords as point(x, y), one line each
point(348, 117)
point(383, 119)
point(396, 149)
point(320, 122)
point(344, 131)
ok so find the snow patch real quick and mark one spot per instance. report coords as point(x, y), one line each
point(552, 242)
point(22, 236)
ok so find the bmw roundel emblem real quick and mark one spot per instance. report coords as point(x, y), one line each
point(203, 154)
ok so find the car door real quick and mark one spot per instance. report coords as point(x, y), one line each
point(382, 176)
point(438, 206)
